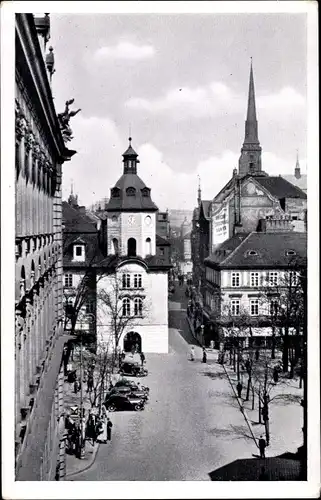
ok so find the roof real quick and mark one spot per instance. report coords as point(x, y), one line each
point(280, 187)
point(93, 251)
point(76, 222)
point(226, 248)
point(271, 251)
point(161, 241)
point(130, 151)
point(300, 182)
point(153, 262)
point(206, 204)
point(125, 202)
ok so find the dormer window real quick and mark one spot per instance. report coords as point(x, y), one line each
point(145, 192)
point(131, 191)
point(79, 253)
point(115, 192)
point(290, 252)
point(252, 252)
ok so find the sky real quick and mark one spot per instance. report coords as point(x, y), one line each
point(178, 85)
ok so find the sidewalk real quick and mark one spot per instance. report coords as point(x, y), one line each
point(75, 465)
point(286, 414)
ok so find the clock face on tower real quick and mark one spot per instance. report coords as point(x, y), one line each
point(131, 220)
point(148, 220)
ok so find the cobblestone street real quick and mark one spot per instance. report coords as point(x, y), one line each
point(190, 426)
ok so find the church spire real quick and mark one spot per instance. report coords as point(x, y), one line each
point(199, 192)
point(250, 159)
point(130, 159)
point(297, 170)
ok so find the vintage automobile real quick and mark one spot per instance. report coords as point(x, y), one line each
point(127, 391)
point(119, 402)
point(125, 382)
point(134, 369)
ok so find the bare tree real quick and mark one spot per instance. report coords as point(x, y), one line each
point(285, 310)
point(120, 308)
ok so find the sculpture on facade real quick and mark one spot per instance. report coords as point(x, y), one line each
point(64, 119)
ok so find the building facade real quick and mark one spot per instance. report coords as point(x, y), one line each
point(248, 276)
point(250, 196)
point(39, 341)
point(132, 293)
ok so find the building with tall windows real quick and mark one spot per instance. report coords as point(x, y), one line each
point(134, 274)
point(39, 337)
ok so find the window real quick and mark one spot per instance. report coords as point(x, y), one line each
point(161, 251)
point(254, 307)
point(290, 252)
point(273, 278)
point(138, 306)
point(78, 251)
point(148, 246)
point(131, 191)
point(145, 192)
point(137, 281)
point(115, 246)
point(293, 278)
point(115, 192)
point(126, 307)
point(235, 279)
point(68, 280)
point(126, 280)
point(235, 307)
point(273, 307)
point(252, 252)
point(89, 307)
point(131, 247)
point(254, 279)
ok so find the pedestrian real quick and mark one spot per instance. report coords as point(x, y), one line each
point(192, 353)
point(91, 428)
point(101, 430)
point(239, 388)
point(109, 426)
point(262, 446)
point(142, 358)
point(90, 382)
point(257, 354)
point(76, 386)
point(204, 355)
point(275, 375)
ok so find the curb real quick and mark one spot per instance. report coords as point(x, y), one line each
point(93, 458)
point(242, 409)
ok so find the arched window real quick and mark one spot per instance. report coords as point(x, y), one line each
point(115, 246)
point(126, 307)
point(22, 282)
point(148, 246)
point(131, 191)
point(131, 247)
point(138, 306)
point(115, 192)
point(32, 274)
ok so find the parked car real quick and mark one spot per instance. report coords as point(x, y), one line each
point(127, 391)
point(125, 382)
point(119, 402)
point(133, 369)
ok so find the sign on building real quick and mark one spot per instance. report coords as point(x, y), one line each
point(220, 225)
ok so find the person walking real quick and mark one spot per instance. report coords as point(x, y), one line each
point(109, 426)
point(192, 353)
point(204, 355)
point(90, 381)
point(239, 388)
point(142, 358)
point(257, 354)
point(262, 446)
point(275, 375)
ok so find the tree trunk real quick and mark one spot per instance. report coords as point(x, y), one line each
point(253, 398)
point(238, 363)
point(234, 359)
point(247, 397)
point(260, 409)
point(273, 344)
point(285, 353)
point(267, 431)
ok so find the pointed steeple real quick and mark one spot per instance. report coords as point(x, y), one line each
point(297, 170)
point(130, 159)
point(73, 198)
point(250, 159)
point(199, 192)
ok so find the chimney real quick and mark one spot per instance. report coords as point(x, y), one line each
point(274, 225)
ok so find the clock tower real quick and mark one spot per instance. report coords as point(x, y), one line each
point(131, 213)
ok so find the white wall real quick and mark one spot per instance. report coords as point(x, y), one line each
point(138, 230)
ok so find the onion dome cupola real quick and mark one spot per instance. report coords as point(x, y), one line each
point(130, 193)
point(130, 159)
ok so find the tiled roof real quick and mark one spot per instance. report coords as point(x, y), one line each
point(75, 222)
point(206, 208)
point(152, 262)
point(280, 187)
point(125, 202)
point(226, 248)
point(271, 251)
point(161, 241)
point(300, 182)
point(93, 251)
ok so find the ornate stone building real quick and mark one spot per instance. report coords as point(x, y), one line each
point(39, 341)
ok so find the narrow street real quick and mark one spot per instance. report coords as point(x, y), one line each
point(190, 426)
